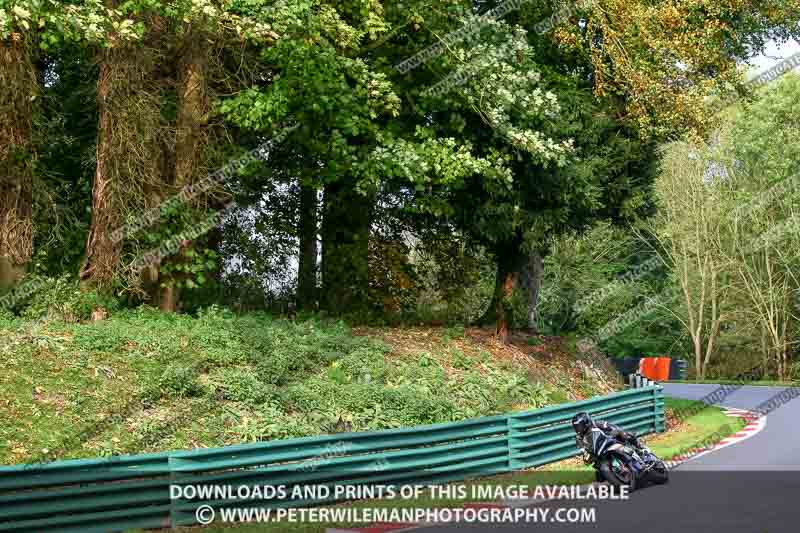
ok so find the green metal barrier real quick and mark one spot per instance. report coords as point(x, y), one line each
point(121, 493)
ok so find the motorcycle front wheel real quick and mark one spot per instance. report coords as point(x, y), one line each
point(659, 473)
point(617, 472)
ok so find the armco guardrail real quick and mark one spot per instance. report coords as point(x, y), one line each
point(121, 493)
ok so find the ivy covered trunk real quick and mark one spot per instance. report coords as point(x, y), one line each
point(345, 248)
point(192, 116)
point(18, 88)
point(102, 251)
point(307, 267)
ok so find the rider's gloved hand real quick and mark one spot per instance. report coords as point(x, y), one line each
point(631, 439)
point(624, 437)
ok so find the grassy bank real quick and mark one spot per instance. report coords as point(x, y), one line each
point(142, 381)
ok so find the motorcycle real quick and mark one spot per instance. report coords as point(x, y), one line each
point(628, 463)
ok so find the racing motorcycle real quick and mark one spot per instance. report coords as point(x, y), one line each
point(628, 463)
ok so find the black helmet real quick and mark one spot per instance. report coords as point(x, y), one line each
point(581, 422)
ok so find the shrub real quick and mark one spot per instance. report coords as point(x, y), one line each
point(364, 365)
point(270, 422)
point(63, 299)
point(6, 315)
point(453, 332)
point(240, 385)
point(177, 381)
point(368, 406)
point(284, 351)
point(460, 360)
point(424, 371)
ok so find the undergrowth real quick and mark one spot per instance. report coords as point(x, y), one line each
point(143, 380)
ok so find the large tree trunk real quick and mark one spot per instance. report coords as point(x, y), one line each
point(127, 153)
point(506, 279)
point(190, 136)
point(102, 252)
point(347, 221)
point(18, 87)
point(521, 271)
point(510, 262)
point(307, 268)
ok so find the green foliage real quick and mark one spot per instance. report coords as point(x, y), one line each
point(727, 226)
point(453, 332)
point(240, 385)
point(763, 139)
point(269, 422)
point(284, 350)
point(604, 278)
point(195, 266)
point(178, 381)
point(63, 299)
point(6, 315)
point(363, 365)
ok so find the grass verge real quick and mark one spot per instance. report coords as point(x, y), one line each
point(706, 426)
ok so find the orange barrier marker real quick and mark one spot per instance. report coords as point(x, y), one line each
point(655, 368)
point(662, 368)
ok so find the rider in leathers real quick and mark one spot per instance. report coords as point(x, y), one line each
point(583, 423)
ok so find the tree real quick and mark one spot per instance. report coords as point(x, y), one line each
point(17, 101)
point(493, 166)
point(191, 121)
point(132, 90)
point(533, 274)
point(307, 233)
point(122, 118)
point(26, 28)
point(691, 231)
point(758, 146)
point(339, 104)
point(667, 57)
point(570, 161)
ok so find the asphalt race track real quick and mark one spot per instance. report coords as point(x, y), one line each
point(776, 447)
point(752, 486)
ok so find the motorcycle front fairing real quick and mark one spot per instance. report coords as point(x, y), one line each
point(602, 444)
